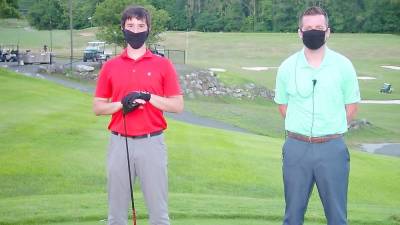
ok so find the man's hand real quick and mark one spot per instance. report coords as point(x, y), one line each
point(144, 95)
point(128, 102)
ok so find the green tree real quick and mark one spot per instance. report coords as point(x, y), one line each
point(48, 14)
point(208, 21)
point(83, 11)
point(9, 9)
point(279, 15)
point(233, 16)
point(108, 15)
point(285, 15)
point(382, 16)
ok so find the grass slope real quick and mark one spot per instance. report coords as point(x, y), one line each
point(52, 168)
point(235, 50)
point(232, 51)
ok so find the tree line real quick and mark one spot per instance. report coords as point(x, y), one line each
point(280, 15)
point(381, 16)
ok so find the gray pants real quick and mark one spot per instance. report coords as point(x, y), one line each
point(148, 161)
point(325, 164)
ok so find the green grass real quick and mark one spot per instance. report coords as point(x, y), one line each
point(19, 32)
point(259, 117)
point(235, 50)
point(262, 117)
point(52, 168)
point(232, 51)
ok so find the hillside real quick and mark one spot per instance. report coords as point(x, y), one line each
point(52, 167)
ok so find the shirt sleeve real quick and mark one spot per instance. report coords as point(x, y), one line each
point(171, 82)
point(104, 87)
point(351, 90)
point(281, 96)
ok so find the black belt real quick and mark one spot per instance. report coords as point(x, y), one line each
point(139, 136)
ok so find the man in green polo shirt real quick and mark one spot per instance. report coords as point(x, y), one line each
point(317, 92)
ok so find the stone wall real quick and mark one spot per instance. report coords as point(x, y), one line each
point(206, 83)
point(194, 83)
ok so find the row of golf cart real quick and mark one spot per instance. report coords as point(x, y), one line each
point(12, 53)
point(95, 51)
point(9, 53)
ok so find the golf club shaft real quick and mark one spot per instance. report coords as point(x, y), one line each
point(129, 173)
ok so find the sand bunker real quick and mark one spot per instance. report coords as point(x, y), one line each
point(366, 78)
point(391, 102)
point(217, 69)
point(85, 34)
point(391, 67)
point(259, 68)
point(29, 29)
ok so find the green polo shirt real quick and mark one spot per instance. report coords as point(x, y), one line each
point(336, 85)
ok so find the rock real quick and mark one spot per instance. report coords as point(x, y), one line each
point(84, 68)
point(42, 69)
point(53, 68)
point(206, 83)
point(357, 124)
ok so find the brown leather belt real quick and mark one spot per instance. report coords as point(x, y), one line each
point(139, 136)
point(309, 139)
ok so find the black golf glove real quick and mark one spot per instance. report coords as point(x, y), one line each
point(144, 95)
point(128, 102)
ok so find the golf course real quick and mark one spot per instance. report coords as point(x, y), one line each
point(53, 148)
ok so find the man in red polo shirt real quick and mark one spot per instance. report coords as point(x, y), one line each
point(137, 77)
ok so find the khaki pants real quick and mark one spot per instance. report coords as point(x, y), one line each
point(148, 161)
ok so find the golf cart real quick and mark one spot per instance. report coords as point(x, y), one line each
point(9, 53)
point(29, 57)
point(157, 49)
point(95, 51)
point(387, 88)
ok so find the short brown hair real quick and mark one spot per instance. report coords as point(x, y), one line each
point(314, 10)
point(137, 12)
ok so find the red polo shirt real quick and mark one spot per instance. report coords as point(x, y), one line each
point(122, 75)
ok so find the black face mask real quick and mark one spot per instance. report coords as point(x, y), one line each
point(135, 40)
point(313, 39)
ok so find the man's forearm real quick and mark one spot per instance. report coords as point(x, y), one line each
point(282, 110)
point(102, 107)
point(168, 104)
point(351, 110)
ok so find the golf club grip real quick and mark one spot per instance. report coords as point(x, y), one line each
point(134, 216)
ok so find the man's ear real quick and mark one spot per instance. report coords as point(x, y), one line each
point(300, 33)
point(327, 34)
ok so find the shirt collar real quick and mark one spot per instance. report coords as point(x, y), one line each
point(325, 61)
point(147, 54)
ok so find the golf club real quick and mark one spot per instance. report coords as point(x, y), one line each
point(129, 170)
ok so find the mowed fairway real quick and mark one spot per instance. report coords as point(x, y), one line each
point(232, 51)
point(52, 168)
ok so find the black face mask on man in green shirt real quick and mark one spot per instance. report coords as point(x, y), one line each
point(313, 39)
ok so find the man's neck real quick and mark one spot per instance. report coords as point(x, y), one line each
point(315, 57)
point(136, 53)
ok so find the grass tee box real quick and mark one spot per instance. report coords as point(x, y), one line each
point(52, 167)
